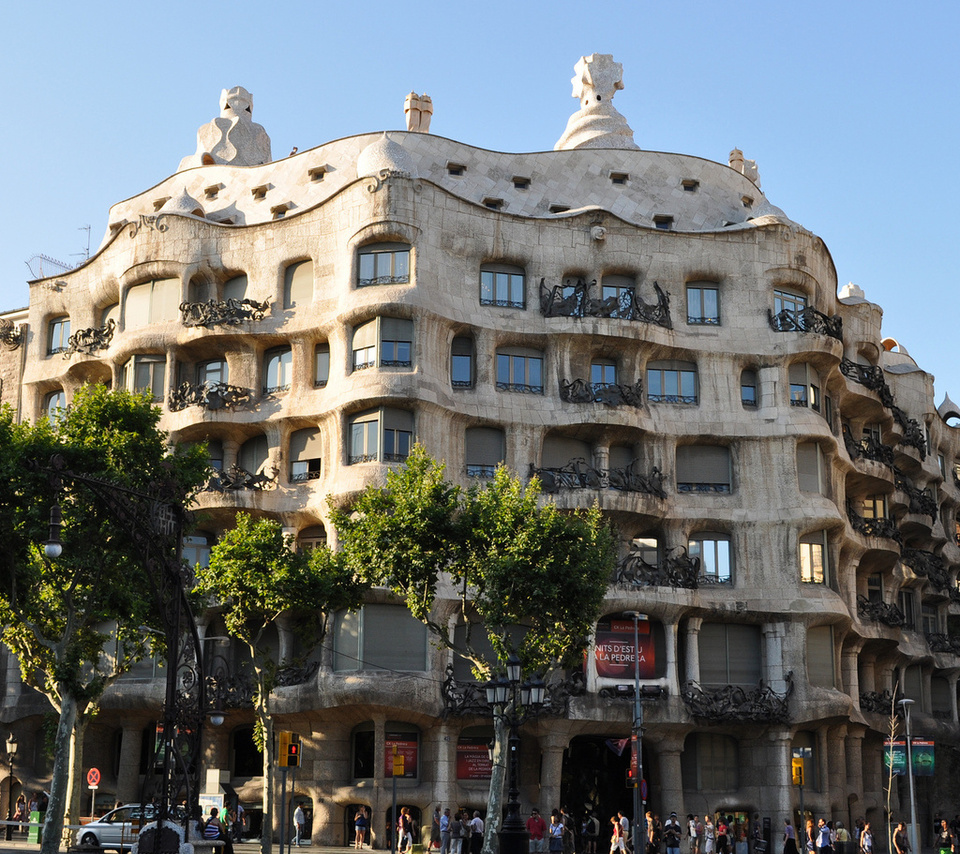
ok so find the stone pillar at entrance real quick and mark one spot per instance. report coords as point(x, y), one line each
point(776, 780)
point(693, 650)
point(668, 752)
point(128, 777)
point(552, 746)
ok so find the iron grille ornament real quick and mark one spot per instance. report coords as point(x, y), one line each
point(920, 503)
point(469, 699)
point(231, 312)
point(733, 703)
point(573, 300)
point(880, 527)
point(912, 431)
point(577, 474)
point(239, 478)
point(609, 394)
point(677, 570)
point(880, 612)
point(89, 341)
point(929, 565)
point(208, 395)
point(806, 320)
point(879, 702)
point(868, 448)
point(870, 377)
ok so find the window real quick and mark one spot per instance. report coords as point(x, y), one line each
point(729, 655)
point(619, 177)
point(364, 750)
point(379, 637)
point(214, 371)
point(907, 601)
point(703, 303)
point(619, 291)
point(559, 451)
point(54, 405)
point(395, 337)
point(874, 507)
point(788, 301)
point(314, 537)
point(520, 183)
point(321, 365)
point(913, 686)
point(663, 221)
point(235, 288)
point(690, 185)
point(502, 285)
point(942, 463)
point(672, 382)
point(805, 388)
point(278, 370)
point(519, 369)
point(298, 284)
point(215, 454)
point(196, 549)
point(483, 450)
point(111, 312)
point(305, 455)
point(872, 433)
point(875, 587)
point(383, 264)
point(748, 389)
point(145, 373)
point(940, 698)
point(461, 362)
point(647, 549)
point(380, 434)
point(929, 619)
point(456, 169)
point(813, 557)
point(821, 669)
point(710, 762)
point(151, 302)
point(492, 203)
point(714, 553)
point(810, 468)
point(254, 455)
point(603, 373)
point(703, 468)
point(58, 338)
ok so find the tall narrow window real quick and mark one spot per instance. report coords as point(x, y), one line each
point(520, 369)
point(907, 600)
point(396, 342)
point(672, 382)
point(145, 373)
point(703, 303)
point(703, 468)
point(813, 557)
point(748, 389)
point(483, 450)
point(383, 264)
point(215, 454)
point(502, 285)
point(298, 284)
point(461, 362)
point(54, 405)
point(254, 454)
point(365, 346)
point(805, 388)
point(278, 370)
point(305, 455)
point(380, 435)
point(714, 552)
point(58, 337)
point(235, 288)
point(810, 468)
point(321, 365)
point(821, 668)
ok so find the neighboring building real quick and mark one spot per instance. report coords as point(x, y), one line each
point(643, 330)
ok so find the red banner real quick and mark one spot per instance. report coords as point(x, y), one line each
point(473, 759)
point(407, 746)
point(615, 654)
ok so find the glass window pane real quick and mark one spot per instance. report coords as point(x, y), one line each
point(367, 264)
point(694, 308)
point(710, 303)
point(535, 372)
point(503, 368)
point(688, 385)
point(401, 264)
point(655, 383)
point(461, 369)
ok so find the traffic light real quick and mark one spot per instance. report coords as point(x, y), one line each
point(288, 749)
point(631, 778)
point(796, 769)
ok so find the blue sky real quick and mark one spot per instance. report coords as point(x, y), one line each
point(850, 109)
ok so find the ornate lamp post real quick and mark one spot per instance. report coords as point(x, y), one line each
point(514, 704)
point(906, 704)
point(11, 755)
point(639, 821)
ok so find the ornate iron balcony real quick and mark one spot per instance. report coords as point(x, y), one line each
point(212, 396)
point(231, 312)
point(469, 698)
point(705, 488)
point(353, 459)
point(920, 502)
point(574, 301)
point(881, 527)
point(882, 703)
point(677, 569)
point(912, 431)
point(869, 376)
point(239, 478)
point(806, 320)
point(610, 394)
point(734, 703)
point(868, 448)
point(10, 336)
point(880, 612)
point(481, 471)
point(940, 642)
point(522, 388)
point(929, 565)
point(578, 475)
point(88, 341)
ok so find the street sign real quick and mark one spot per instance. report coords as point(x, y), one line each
point(93, 778)
point(643, 789)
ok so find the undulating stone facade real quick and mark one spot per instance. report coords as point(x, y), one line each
point(642, 330)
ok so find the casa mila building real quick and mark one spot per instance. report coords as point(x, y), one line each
point(638, 329)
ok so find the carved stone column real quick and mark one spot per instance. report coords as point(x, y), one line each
point(776, 674)
point(853, 749)
point(670, 641)
point(868, 674)
point(775, 781)
point(850, 676)
point(668, 750)
point(837, 779)
point(552, 746)
point(128, 775)
point(693, 649)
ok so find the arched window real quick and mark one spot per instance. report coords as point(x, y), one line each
point(383, 264)
point(298, 284)
point(277, 370)
point(54, 405)
point(364, 741)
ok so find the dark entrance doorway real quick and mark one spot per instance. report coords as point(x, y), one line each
point(594, 778)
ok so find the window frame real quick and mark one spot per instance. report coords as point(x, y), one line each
point(516, 363)
point(794, 302)
point(697, 547)
point(663, 369)
point(806, 545)
point(376, 251)
point(508, 292)
point(467, 346)
point(370, 425)
point(283, 356)
point(702, 317)
point(58, 335)
point(321, 364)
point(130, 370)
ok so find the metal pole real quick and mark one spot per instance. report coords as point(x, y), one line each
point(513, 835)
point(913, 795)
point(639, 819)
point(8, 834)
point(395, 819)
point(283, 806)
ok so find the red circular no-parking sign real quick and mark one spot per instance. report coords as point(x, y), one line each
point(93, 777)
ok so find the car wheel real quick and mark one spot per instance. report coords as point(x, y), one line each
point(89, 840)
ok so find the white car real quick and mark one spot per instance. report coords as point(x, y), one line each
point(118, 829)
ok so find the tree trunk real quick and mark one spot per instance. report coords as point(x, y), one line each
point(53, 823)
point(74, 807)
point(266, 723)
point(497, 777)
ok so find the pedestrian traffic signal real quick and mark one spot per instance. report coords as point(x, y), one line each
point(631, 778)
point(288, 749)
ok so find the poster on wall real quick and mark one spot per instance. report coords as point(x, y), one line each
point(473, 758)
point(614, 654)
point(407, 746)
point(896, 752)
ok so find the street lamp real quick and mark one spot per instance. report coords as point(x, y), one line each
point(11, 754)
point(906, 704)
point(516, 703)
point(639, 834)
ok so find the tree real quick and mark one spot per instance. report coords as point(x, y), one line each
point(254, 576)
point(59, 615)
point(508, 558)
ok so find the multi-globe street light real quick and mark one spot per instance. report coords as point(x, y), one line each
point(906, 704)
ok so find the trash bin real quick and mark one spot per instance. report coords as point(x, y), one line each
point(35, 834)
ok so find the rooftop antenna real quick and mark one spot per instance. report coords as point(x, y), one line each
point(86, 252)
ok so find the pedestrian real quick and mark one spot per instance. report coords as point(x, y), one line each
point(617, 844)
point(536, 830)
point(404, 830)
point(445, 822)
point(842, 836)
point(299, 820)
point(789, 838)
point(591, 830)
point(476, 832)
point(555, 833)
point(692, 834)
point(672, 834)
point(944, 839)
point(456, 833)
point(709, 836)
point(360, 824)
point(214, 828)
point(824, 841)
point(569, 831)
point(435, 828)
point(901, 844)
point(239, 823)
point(866, 839)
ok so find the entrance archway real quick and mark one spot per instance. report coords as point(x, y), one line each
point(594, 778)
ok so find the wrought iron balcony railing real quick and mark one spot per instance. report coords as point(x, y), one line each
point(231, 312)
point(928, 565)
point(212, 396)
point(920, 502)
point(89, 341)
point(940, 642)
point(879, 527)
point(461, 698)
point(578, 475)
point(880, 612)
point(868, 448)
point(568, 300)
point(806, 320)
point(870, 377)
point(239, 478)
point(676, 569)
point(913, 435)
point(610, 394)
point(879, 702)
point(733, 703)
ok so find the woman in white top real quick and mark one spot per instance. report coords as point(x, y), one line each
point(709, 837)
